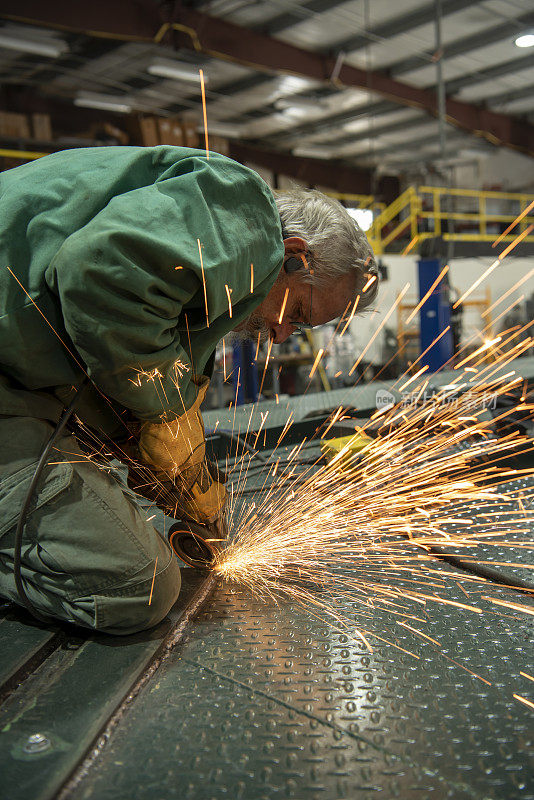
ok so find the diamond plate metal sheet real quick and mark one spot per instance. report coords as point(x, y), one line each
point(263, 701)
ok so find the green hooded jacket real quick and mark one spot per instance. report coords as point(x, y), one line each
point(103, 244)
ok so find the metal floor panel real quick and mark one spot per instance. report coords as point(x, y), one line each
point(67, 695)
point(262, 701)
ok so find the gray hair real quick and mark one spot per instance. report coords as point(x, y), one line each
point(337, 244)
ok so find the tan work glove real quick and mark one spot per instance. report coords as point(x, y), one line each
point(176, 450)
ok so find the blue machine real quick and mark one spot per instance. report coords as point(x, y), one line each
point(435, 315)
point(245, 373)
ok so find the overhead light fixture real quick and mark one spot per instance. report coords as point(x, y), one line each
point(226, 131)
point(300, 105)
point(525, 40)
point(51, 49)
point(175, 70)
point(294, 83)
point(363, 216)
point(106, 102)
point(313, 152)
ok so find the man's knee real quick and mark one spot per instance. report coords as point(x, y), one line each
point(140, 605)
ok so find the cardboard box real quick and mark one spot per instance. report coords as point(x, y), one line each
point(148, 131)
point(219, 145)
point(165, 131)
point(177, 134)
point(170, 132)
point(14, 126)
point(190, 134)
point(42, 127)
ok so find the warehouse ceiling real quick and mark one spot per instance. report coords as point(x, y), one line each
point(362, 83)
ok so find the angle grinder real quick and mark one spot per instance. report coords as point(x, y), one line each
point(196, 544)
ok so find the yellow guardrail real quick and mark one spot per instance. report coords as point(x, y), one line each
point(24, 155)
point(363, 200)
point(455, 214)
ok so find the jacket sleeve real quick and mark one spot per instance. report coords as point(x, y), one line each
point(124, 278)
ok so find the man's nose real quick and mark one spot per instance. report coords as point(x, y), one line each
point(282, 331)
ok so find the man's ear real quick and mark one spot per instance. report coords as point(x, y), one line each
point(294, 244)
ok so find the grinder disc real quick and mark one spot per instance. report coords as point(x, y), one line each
point(188, 542)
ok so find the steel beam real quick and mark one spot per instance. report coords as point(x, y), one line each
point(312, 171)
point(221, 39)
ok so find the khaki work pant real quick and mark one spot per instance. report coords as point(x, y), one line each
point(88, 553)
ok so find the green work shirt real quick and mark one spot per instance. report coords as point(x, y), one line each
point(124, 259)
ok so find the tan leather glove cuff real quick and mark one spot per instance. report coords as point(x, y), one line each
point(205, 500)
point(177, 448)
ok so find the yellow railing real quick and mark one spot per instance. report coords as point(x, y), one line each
point(24, 155)
point(455, 214)
point(362, 200)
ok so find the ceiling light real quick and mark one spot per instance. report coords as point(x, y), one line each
point(226, 131)
point(175, 70)
point(293, 83)
point(106, 102)
point(51, 49)
point(525, 40)
point(304, 104)
point(313, 152)
point(363, 216)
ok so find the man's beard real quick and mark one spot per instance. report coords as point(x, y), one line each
point(249, 330)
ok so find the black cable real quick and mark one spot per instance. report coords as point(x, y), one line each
point(19, 583)
point(481, 570)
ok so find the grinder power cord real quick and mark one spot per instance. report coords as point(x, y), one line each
point(60, 427)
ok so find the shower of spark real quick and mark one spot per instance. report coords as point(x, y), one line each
point(355, 526)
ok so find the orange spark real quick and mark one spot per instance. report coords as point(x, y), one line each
point(405, 625)
point(516, 285)
point(202, 89)
point(251, 278)
point(316, 362)
point(203, 281)
point(257, 346)
point(229, 300)
point(351, 315)
point(373, 337)
point(474, 674)
point(283, 308)
point(153, 579)
point(413, 378)
point(516, 241)
point(524, 700)
point(427, 294)
point(369, 283)
point(473, 286)
point(514, 223)
point(410, 245)
point(513, 606)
